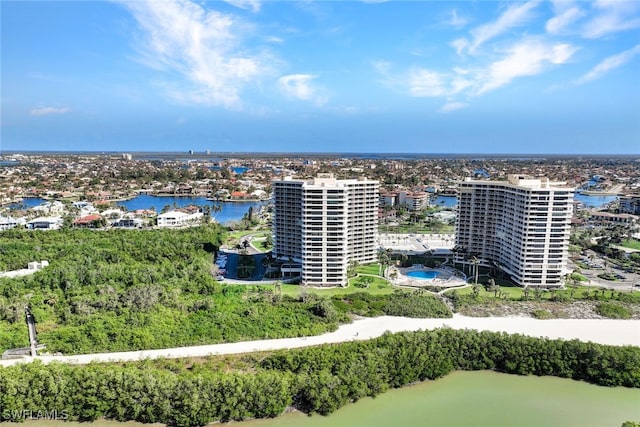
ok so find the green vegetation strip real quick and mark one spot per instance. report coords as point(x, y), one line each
point(317, 379)
point(129, 290)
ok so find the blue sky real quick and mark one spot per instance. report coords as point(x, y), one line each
point(324, 76)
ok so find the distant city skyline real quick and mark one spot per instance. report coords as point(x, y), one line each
point(554, 77)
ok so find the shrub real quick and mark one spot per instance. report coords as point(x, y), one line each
point(607, 276)
point(613, 310)
point(541, 314)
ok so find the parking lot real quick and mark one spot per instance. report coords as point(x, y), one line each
point(416, 243)
point(596, 265)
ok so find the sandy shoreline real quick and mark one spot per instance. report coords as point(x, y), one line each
point(602, 331)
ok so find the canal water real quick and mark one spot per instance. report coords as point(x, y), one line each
point(232, 211)
point(480, 398)
point(588, 200)
point(229, 211)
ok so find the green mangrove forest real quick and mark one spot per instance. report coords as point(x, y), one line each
point(314, 380)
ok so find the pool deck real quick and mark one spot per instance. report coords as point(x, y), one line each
point(450, 278)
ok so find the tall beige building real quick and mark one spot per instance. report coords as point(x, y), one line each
point(521, 226)
point(323, 224)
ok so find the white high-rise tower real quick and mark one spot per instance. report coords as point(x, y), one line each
point(520, 226)
point(323, 224)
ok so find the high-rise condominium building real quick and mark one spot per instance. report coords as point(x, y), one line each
point(323, 224)
point(520, 226)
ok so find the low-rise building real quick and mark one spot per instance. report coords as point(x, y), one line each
point(630, 204)
point(179, 218)
point(7, 223)
point(88, 221)
point(127, 223)
point(608, 218)
point(414, 201)
point(45, 223)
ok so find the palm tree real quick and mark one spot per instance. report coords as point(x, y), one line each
point(206, 211)
point(573, 284)
point(383, 260)
point(475, 261)
point(277, 288)
point(352, 267)
point(457, 250)
point(537, 292)
point(493, 287)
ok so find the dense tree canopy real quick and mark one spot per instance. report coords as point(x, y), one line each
point(130, 289)
point(315, 379)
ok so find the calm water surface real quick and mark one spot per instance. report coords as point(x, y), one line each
point(476, 399)
point(593, 201)
point(481, 399)
point(230, 211)
point(589, 201)
point(426, 275)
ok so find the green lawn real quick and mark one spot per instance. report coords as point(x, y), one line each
point(373, 269)
point(379, 286)
point(631, 244)
point(516, 293)
point(234, 237)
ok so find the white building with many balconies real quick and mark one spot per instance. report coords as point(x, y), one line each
point(520, 226)
point(323, 224)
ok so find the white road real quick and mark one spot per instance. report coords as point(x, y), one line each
point(603, 331)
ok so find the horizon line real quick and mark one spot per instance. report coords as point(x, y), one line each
point(312, 153)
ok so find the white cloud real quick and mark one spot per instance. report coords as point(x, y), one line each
point(254, 5)
point(460, 45)
point(274, 39)
point(426, 83)
point(613, 16)
point(45, 111)
point(453, 106)
point(526, 58)
point(459, 84)
point(300, 86)
point(457, 21)
point(559, 23)
point(609, 64)
point(201, 46)
point(515, 16)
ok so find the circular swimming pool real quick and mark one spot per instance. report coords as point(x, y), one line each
point(422, 274)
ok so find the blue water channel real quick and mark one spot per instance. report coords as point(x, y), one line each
point(229, 211)
point(232, 211)
point(588, 200)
